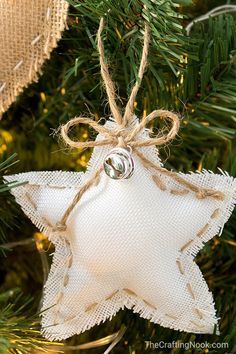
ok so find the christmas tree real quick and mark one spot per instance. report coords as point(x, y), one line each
point(191, 71)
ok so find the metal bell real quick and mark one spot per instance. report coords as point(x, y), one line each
point(119, 164)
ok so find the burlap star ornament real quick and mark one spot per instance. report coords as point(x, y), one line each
point(126, 242)
point(29, 30)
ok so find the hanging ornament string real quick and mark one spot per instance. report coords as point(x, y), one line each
point(125, 134)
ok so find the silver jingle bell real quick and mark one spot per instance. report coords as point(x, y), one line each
point(119, 164)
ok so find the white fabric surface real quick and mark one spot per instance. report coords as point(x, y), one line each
point(125, 234)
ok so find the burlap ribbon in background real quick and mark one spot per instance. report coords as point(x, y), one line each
point(29, 30)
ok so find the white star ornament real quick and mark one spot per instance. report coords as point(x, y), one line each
point(128, 243)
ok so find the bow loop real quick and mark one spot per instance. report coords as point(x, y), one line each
point(109, 137)
point(158, 140)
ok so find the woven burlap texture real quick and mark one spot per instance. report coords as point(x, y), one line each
point(29, 30)
point(127, 244)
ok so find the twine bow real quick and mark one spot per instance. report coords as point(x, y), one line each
point(122, 137)
point(125, 134)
